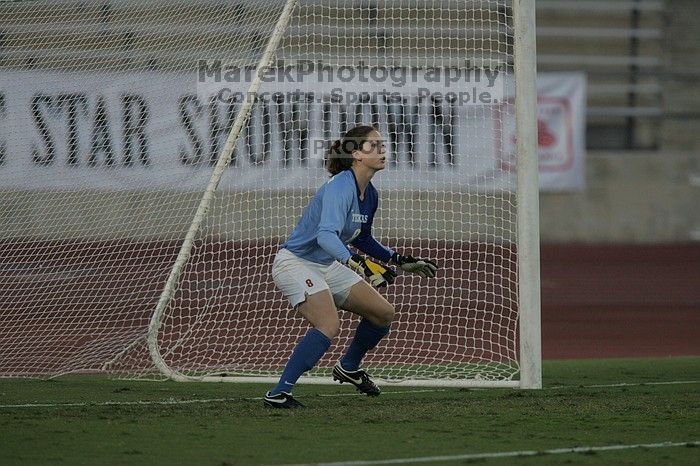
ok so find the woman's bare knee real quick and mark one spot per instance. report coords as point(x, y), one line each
point(328, 323)
point(330, 329)
point(390, 314)
point(365, 301)
point(319, 309)
point(384, 316)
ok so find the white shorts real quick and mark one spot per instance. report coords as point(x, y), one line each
point(297, 278)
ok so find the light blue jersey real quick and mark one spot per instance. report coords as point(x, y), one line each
point(334, 218)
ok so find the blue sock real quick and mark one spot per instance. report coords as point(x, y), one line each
point(305, 356)
point(366, 337)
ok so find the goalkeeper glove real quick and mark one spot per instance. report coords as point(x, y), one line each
point(378, 275)
point(422, 267)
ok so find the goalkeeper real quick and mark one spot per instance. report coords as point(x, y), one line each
point(318, 274)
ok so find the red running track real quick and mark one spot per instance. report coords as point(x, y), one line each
point(597, 301)
point(620, 301)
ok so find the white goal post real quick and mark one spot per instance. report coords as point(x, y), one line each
point(155, 154)
point(525, 70)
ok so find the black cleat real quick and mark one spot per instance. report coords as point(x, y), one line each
point(358, 378)
point(282, 400)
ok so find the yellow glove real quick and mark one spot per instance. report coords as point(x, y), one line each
point(377, 275)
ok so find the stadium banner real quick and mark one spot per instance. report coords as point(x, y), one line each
point(70, 130)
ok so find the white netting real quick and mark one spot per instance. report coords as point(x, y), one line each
point(114, 113)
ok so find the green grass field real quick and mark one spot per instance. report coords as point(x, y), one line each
point(95, 420)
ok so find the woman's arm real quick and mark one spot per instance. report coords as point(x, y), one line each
point(334, 210)
point(366, 243)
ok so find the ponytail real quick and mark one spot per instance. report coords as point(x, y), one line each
point(339, 156)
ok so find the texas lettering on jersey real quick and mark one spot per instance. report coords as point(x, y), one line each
point(359, 218)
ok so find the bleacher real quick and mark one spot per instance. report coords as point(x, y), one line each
point(619, 45)
point(616, 42)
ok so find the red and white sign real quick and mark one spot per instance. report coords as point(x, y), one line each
point(561, 113)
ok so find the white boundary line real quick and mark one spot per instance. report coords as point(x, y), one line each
point(120, 403)
point(504, 454)
point(173, 401)
point(624, 384)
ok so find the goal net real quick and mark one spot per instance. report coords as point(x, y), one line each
point(154, 155)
